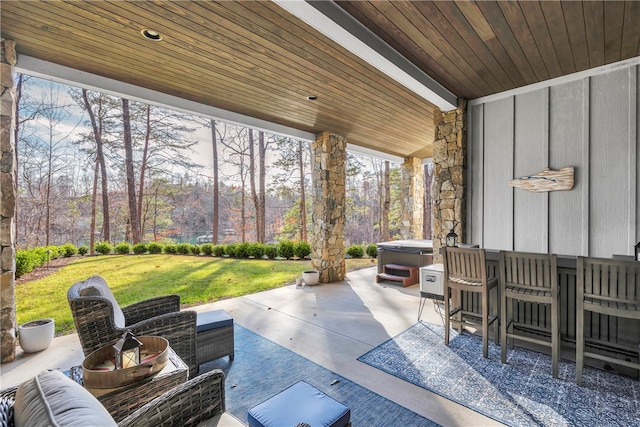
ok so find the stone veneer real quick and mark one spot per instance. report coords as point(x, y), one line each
point(412, 199)
point(328, 163)
point(7, 205)
point(448, 188)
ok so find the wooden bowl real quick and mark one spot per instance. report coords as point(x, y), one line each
point(98, 372)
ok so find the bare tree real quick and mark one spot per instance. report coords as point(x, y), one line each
point(143, 163)
point(261, 216)
point(237, 148)
point(215, 223)
point(252, 181)
point(303, 197)
point(45, 158)
point(258, 195)
point(134, 220)
point(99, 119)
point(386, 203)
point(428, 201)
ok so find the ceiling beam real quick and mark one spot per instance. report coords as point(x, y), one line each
point(332, 21)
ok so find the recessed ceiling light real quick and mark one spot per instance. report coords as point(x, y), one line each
point(312, 98)
point(151, 35)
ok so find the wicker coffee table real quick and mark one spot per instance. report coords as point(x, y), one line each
point(122, 401)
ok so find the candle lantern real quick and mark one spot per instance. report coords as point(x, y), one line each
point(127, 351)
point(452, 239)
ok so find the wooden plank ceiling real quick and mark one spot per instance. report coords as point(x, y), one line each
point(256, 59)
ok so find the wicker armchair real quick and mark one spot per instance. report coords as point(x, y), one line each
point(99, 320)
point(199, 399)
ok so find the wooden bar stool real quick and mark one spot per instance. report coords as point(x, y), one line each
point(465, 270)
point(529, 278)
point(610, 287)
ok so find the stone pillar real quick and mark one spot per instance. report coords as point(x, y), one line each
point(449, 189)
point(8, 186)
point(412, 198)
point(328, 163)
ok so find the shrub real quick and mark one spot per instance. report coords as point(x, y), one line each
point(270, 251)
point(242, 250)
point(154, 248)
point(26, 261)
point(285, 249)
point(68, 250)
point(183, 248)
point(219, 250)
point(207, 249)
point(139, 248)
point(47, 253)
point(103, 248)
point(302, 249)
point(372, 250)
point(171, 249)
point(355, 251)
point(256, 250)
point(230, 249)
point(123, 248)
point(83, 250)
point(195, 249)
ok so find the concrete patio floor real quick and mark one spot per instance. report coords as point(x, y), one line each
point(330, 324)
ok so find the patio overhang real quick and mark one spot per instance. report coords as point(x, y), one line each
point(258, 61)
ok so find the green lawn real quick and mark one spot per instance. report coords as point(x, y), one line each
point(131, 278)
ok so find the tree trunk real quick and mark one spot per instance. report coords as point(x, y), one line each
point(386, 202)
point(428, 201)
point(243, 215)
point(143, 169)
point(252, 181)
point(261, 210)
point(303, 199)
point(94, 198)
point(216, 189)
point(97, 135)
point(47, 191)
point(155, 215)
point(16, 133)
point(131, 185)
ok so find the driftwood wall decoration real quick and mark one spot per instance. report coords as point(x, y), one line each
point(547, 180)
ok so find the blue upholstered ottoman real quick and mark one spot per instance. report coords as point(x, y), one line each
point(214, 336)
point(300, 403)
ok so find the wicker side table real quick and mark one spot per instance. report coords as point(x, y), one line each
point(122, 401)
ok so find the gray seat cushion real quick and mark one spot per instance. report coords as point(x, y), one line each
point(52, 399)
point(96, 286)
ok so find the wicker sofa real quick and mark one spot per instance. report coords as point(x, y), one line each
point(99, 319)
point(51, 398)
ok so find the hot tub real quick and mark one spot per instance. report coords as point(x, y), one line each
point(415, 253)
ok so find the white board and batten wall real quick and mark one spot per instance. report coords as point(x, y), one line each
point(588, 120)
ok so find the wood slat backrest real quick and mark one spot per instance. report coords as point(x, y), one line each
point(465, 263)
point(528, 270)
point(609, 279)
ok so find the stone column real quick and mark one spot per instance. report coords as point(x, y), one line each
point(450, 163)
point(412, 198)
point(8, 186)
point(328, 163)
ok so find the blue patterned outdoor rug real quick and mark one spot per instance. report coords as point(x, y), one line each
point(519, 393)
point(262, 369)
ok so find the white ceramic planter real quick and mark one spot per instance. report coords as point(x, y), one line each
point(36, 335)
point(310, 277)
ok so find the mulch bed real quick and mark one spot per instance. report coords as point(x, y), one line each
point(44, 270)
